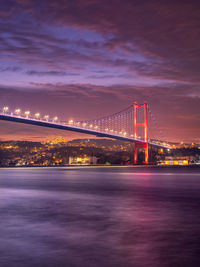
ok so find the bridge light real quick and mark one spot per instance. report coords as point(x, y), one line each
point(5, 109)
point(46, 117)
point(37, 115)
point(17, 111)
point(27, 113)
point(55, 118)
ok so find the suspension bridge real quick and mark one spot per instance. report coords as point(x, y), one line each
point(130, 124)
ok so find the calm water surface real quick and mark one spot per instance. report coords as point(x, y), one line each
point(99, 217)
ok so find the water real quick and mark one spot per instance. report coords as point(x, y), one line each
point(99, 217)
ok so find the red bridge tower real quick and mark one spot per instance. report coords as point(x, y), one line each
point(143, 124)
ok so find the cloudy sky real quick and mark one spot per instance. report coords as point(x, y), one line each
point(89, 58)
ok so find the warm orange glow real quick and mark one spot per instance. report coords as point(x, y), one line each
point(27, 113)
point(5, 109)
point(17, 111)
point(46, 117)
point(84, 160)
point(37, 115)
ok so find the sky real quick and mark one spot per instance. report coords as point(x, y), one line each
point(84, 59)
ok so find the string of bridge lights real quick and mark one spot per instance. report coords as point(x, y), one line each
point(27, 115)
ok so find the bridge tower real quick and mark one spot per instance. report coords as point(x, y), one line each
point(143, 124)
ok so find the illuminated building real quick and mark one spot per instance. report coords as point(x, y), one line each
point(85, 160)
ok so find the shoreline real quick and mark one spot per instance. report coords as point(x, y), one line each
point(104, 166)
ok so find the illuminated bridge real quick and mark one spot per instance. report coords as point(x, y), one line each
point(129, 124)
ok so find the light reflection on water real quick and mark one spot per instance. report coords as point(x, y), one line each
point(99, 217)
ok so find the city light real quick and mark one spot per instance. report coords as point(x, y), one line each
point(71, 121)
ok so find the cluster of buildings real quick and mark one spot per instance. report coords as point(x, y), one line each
point(60, 152)
point(181, 161)
point(180, 155)
point(89, 152)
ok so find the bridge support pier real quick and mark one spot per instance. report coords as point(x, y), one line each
point(146, 152)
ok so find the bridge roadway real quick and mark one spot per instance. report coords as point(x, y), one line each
point(72, 128)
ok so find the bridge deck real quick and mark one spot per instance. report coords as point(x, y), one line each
point(72, 128)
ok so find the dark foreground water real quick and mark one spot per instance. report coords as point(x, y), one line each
point(100, 217)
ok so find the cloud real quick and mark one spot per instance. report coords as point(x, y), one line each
point(49, 73)
point(166, 33)
point(11, 69)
